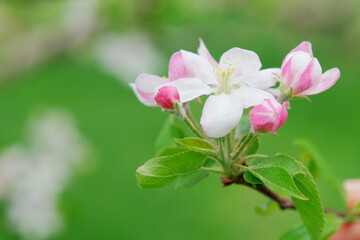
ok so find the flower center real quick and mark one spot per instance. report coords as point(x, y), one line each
point(223, 78)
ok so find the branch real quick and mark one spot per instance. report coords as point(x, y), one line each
point(284, 203)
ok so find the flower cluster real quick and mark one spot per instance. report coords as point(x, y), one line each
point(233, 84)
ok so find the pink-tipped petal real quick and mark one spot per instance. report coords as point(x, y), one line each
point(199, 67)
point(310, 76)
point(244, 62)
point(304, 46)
point(190, 88)
point(328, 79)
point(283, 113)
point(177, 67)
point(220, 115)
point(204, 52)
point(250, 97)
point(145, 87)
point(263, 79)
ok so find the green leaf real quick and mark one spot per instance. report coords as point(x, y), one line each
point(277, 173)
point(170, 151)
point(322, 167)
point(311, 211)
point(198, 145)
point(170, 130)
point(191, 179)
point(299, 232)
point(161, 171)
point(267, 209)
point(250, 178)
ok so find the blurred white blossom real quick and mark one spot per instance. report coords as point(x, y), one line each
point(33, 176)
point(126, 56)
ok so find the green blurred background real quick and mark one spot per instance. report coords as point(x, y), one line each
point(57, 54)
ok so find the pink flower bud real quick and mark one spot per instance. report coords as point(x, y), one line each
point(352, 188)
point(167, 96)
point(301, 73)
point(268, 116)
point(350, 231)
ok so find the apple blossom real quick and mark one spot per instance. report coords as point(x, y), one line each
point(301, 73)
point(268, 116)
point(167, 97)
point(236, 83)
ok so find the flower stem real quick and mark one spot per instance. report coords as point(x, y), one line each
point(242, 146)
point(228, 142)
point(191, 125)
point(222, 154)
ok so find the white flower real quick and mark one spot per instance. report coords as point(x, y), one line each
point(236, 84)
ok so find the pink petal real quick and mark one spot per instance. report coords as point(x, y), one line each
point(244, 62)
point(283, 113)
point(328, 79)
point(204, 52)
point(294, 68)
point(311, 75)
point(304, 46)
point(221, 114)
point(145, 87)
point(177, 67)
point(190, 88)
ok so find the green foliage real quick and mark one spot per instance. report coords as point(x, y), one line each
point(299, 232)
point(287, 176)
point(267, 209)
point(277, 173)
point(191, 179)
point(250, 178)
point(317, 164)
point(161, 171)
point(171, 130)
point(198, 145)
point(311, 211)
point(170, 151)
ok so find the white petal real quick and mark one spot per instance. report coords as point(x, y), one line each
point(197, 66)
point(250, 97)
point(263, 79)
point(244, 62)
point(221, 114)
point(190, 88)
point(148, 102)
point(145, 87)
point(204, 52)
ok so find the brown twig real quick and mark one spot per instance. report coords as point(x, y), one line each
point(284, 203)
